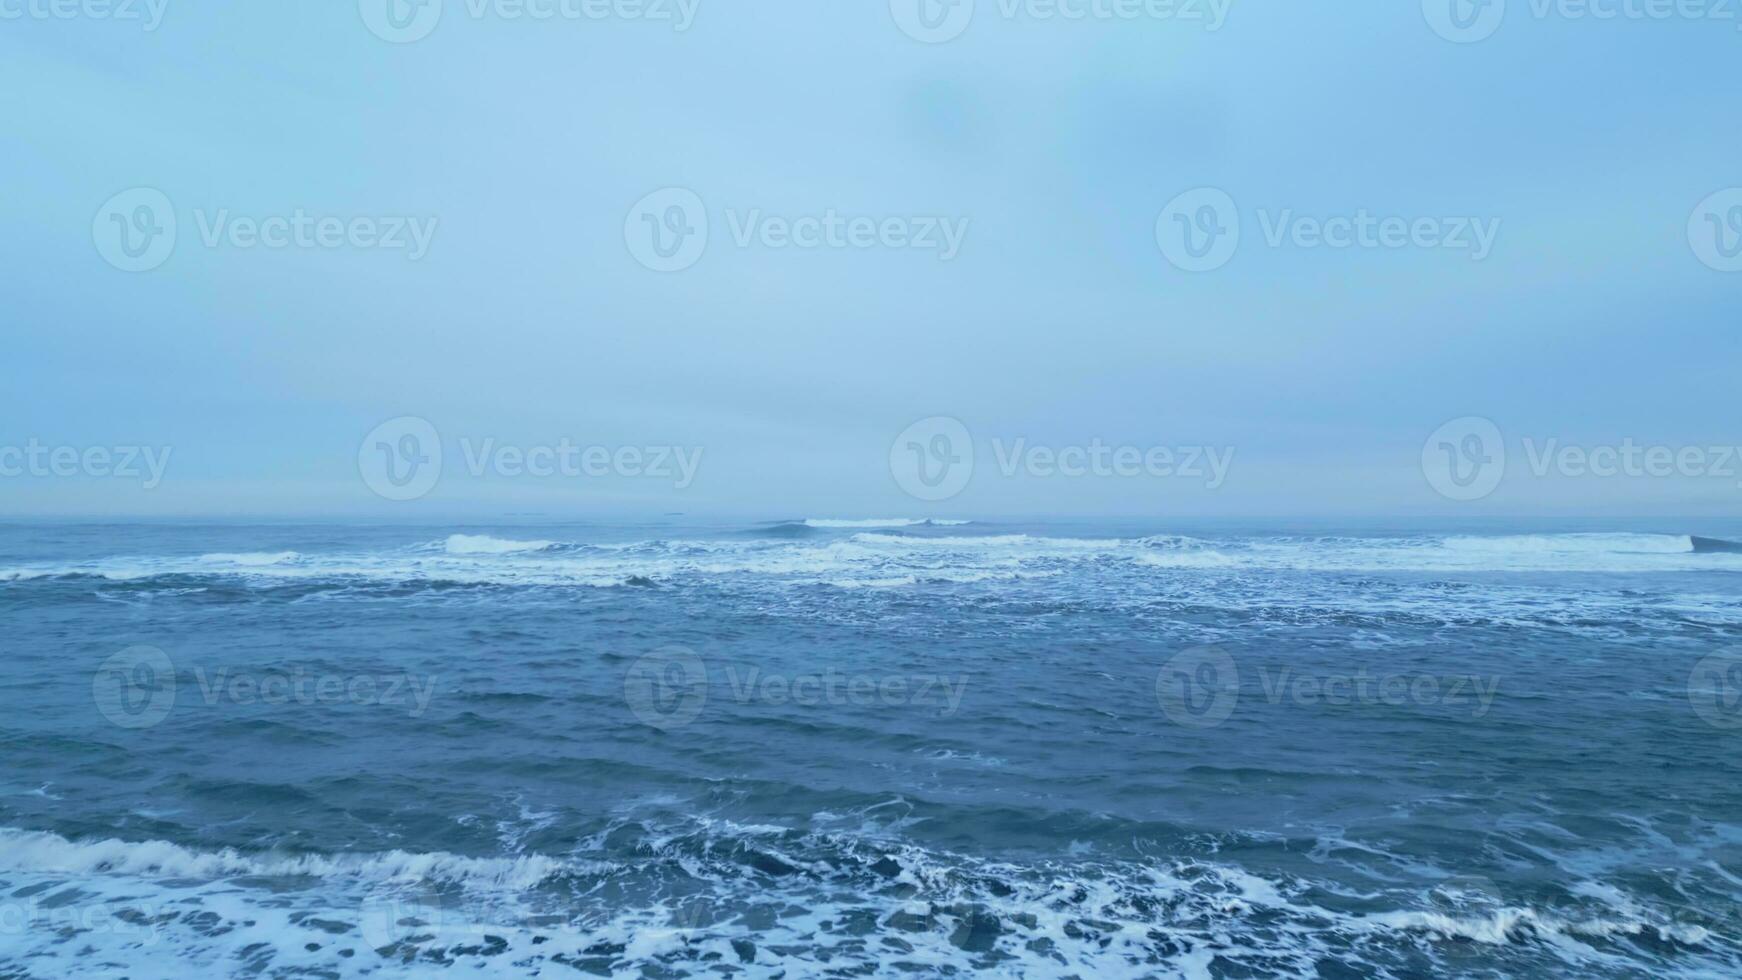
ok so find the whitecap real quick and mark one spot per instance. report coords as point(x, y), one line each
point(251, 558)
point(818, 522)
point(483, 544)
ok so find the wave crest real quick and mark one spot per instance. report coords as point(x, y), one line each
point(484, 544)
point(252, 559)
point(817, 522)
point(40, 852)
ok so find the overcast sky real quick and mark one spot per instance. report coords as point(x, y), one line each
point(1015, 180)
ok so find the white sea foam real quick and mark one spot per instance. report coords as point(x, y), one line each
point(45, 853)
point(1598, 553)
point(1573, 544)
point(252, 558)
point(1016, 542)
point(1511, 925)
point(882, 522)
point(153, 908)
point(483, 544)
point(885, 558)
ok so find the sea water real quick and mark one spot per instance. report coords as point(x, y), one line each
point(854, 746)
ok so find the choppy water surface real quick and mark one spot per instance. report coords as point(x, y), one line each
point(847, 747)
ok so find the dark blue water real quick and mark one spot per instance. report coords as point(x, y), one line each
point(1044, 749)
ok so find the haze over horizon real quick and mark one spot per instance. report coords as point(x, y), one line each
point(1033, 168)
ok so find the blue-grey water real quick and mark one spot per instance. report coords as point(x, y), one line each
point(818, 748)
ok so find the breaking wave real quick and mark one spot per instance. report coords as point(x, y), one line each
point(880, 554)
point(886, 522)
point(252, 559)
point(45, 853)
point(483, 544)
point(808, 902)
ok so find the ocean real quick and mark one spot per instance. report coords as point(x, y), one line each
point(848, 747)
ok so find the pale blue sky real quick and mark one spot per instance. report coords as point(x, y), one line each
point(1059, 322)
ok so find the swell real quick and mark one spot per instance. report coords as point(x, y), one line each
point(852, 557)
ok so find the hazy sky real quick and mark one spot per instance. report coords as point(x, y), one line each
point(986, 225)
